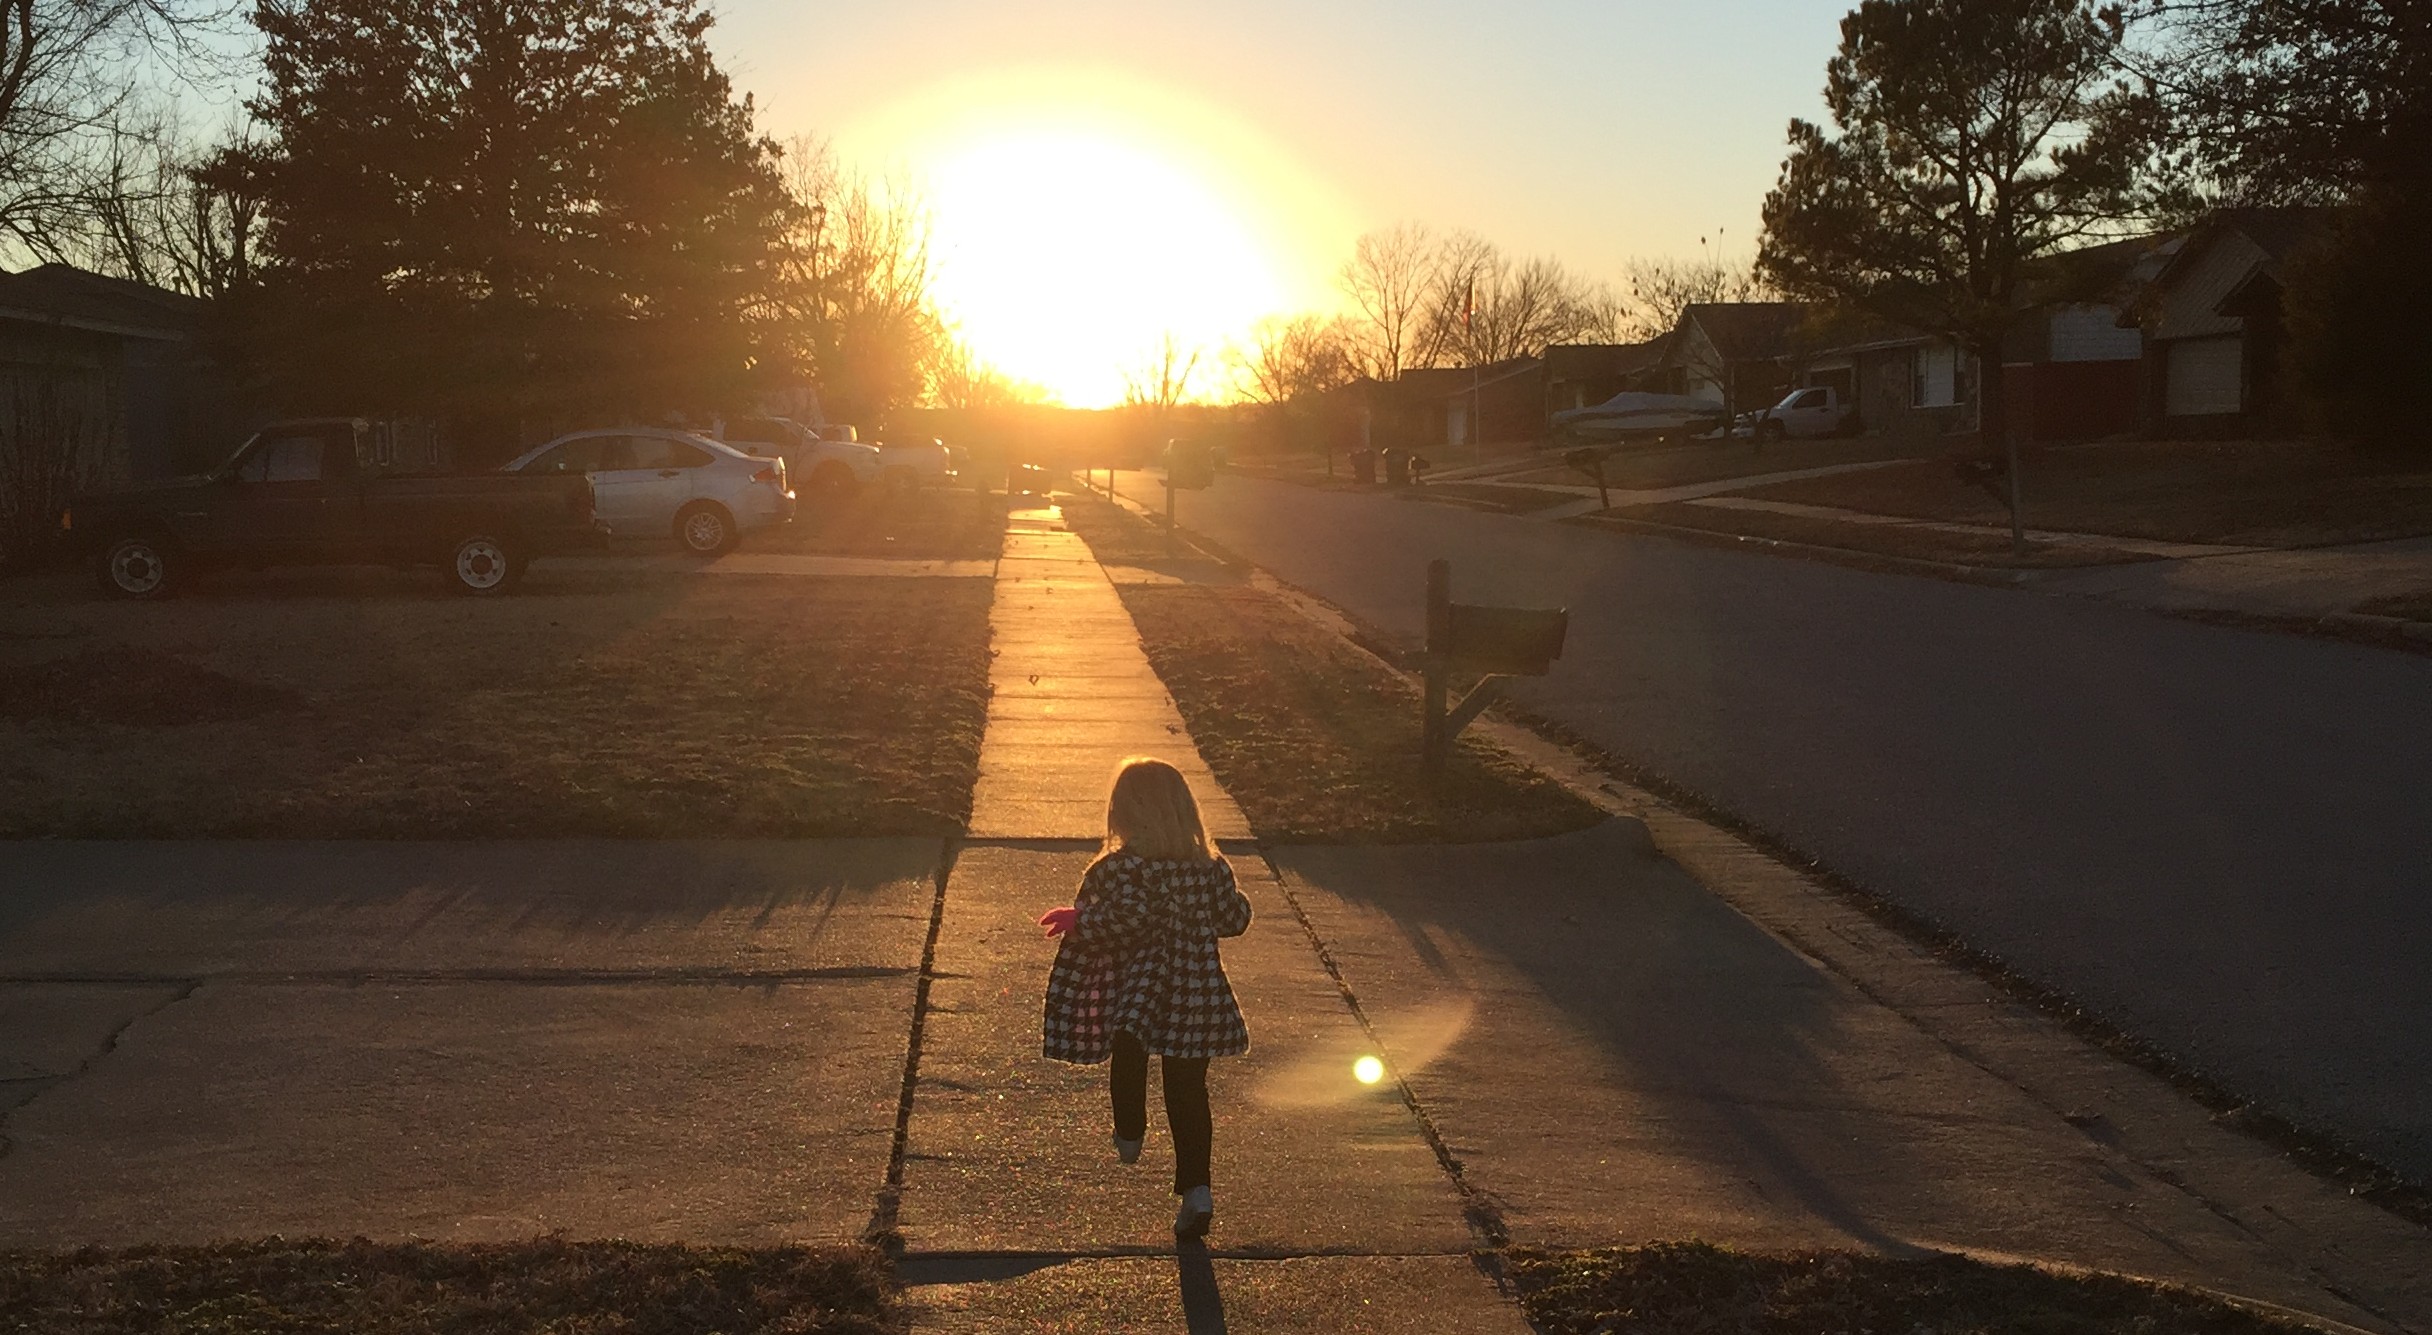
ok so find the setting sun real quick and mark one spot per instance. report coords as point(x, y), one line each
point(1078, 221)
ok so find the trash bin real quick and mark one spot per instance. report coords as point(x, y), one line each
point(1363, 467)
point(1397, 468)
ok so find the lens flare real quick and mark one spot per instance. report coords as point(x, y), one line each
point(1368, 1070)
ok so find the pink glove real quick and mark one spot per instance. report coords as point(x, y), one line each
point(1059, 921)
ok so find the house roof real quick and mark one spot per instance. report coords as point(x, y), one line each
point(1599, 361)
point(2107, 274)
point(62, 294)
point(1445, 382)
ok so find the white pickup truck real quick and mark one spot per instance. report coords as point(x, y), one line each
point(1802, 414)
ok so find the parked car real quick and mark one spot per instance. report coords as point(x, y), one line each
point(657, 480)
point(817, 465)
point(307, 492)
point(918, 463)
point(1802, 414)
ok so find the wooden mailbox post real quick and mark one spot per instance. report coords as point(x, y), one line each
point(1502, 642)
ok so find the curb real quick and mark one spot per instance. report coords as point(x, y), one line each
point(1991, 576)
point(2420, 631)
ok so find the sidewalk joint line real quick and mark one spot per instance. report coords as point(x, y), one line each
point(882, 1231)
point(1484, 1217)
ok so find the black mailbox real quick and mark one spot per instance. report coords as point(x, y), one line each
point(1522, 641)
point(1189, 465)
point(1494, 642)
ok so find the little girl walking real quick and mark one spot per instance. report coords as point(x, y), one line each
point(1139, 972)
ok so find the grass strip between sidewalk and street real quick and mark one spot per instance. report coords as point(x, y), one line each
point(2235, 493)
point(364, 1288)
point(1692, 1288)
point(607, 702)
point(1990, 549)
point(1316, 740)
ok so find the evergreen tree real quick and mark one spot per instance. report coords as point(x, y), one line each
point(1969, 138)
point(541, 210)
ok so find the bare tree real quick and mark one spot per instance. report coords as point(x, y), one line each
point(962, 380)
point(1292, 358)
point(1658, 290)
point(167, 212)
point(58, 426)
point(70, 71)
point(1390, 279)
point(1162, 377)
point(862, 284)
point(1487, 307)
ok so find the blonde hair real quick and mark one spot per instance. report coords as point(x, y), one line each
point(1150, 812)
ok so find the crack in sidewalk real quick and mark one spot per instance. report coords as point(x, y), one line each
point(187, 987)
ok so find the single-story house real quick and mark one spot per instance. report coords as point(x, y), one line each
point(1454, 406)
point(1738, 354)
point(2210, 320)
point(115, 362)
point(1903, 382)
point(1580, 374)
point(2070, 369)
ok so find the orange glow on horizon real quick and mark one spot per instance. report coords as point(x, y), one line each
point(1082, 216)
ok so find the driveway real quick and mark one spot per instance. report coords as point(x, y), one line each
point(2220, 841)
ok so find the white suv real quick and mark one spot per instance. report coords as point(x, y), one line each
point(820, 465)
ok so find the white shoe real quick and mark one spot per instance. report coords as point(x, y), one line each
point(1127, 1151)
point(1198, 1209)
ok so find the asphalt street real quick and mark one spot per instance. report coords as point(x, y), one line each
point(2219, 840)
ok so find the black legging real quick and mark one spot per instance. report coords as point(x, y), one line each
point(1186, 1107)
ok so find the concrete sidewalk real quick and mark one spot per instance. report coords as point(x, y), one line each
point(1616, 1055)
point(1332, 1213)
point(465, 1042)
point(1071, 695)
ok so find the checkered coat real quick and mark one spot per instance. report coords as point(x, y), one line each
point(1141, 959)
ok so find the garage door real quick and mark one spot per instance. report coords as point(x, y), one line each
point(2205, 375)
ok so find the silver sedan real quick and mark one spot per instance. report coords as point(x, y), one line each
point(654, 480)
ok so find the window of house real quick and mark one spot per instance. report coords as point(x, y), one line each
point(1937, 377)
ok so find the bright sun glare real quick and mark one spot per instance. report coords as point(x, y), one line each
point(1080, 221)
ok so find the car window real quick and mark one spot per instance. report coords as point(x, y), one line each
point(1813, 398)
point(756, 431)
point(285, 459)
point(575, 456)
point(681, 455)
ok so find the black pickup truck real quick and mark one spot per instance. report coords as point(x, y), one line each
point(310, 492)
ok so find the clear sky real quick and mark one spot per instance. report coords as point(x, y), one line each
point(1105, 170)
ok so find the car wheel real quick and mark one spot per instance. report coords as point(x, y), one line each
point(139, 566)
point(900, 478)
point(831, 479)
point(482, 565)
point(706, 529)
point(1770, 431)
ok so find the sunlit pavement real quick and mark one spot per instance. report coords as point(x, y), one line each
point(1581, 1042)
point(1071, 695)
point(2213, 839)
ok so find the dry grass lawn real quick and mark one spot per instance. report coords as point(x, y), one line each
point(1317, 741)
point(1116, 536)
point(276, 1287)
point(598, 701)
point(931, 524)
point(2241, 493)
point(1990, 549)
point(1640, 467)
point(1696, 1289)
